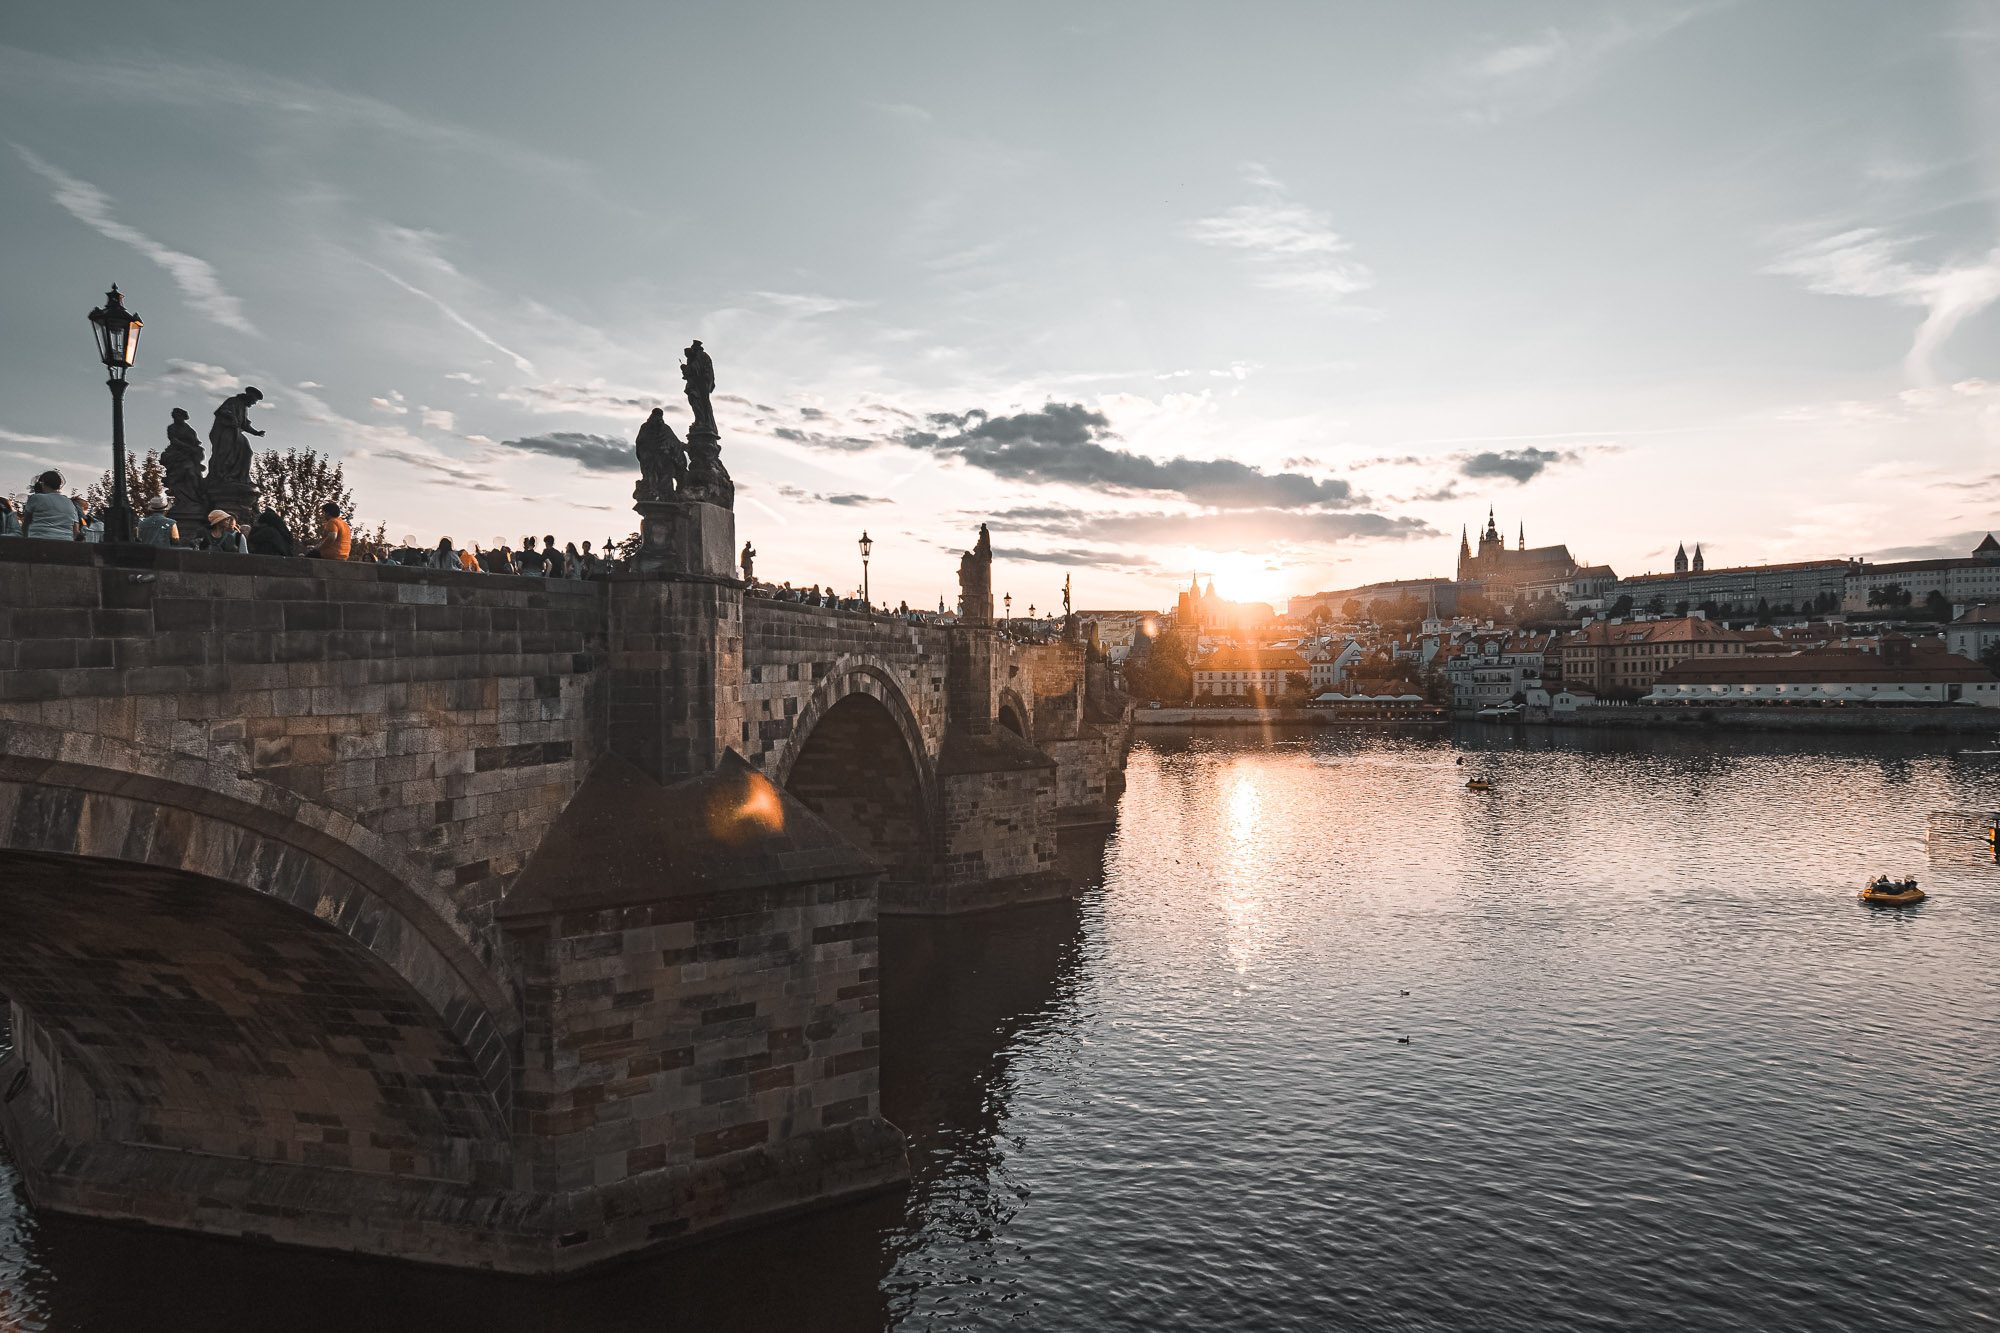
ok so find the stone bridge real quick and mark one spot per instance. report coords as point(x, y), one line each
point(481, 920)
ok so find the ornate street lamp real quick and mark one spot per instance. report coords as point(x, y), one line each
point(867, 545)
point(1007, 601)
point(117, 331)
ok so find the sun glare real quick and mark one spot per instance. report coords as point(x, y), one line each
point(1239, 576)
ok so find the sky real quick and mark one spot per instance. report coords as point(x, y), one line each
point(1283, 295)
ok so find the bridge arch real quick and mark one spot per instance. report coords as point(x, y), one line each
point(140, 831)
point(857, 758)
point(1012, 712)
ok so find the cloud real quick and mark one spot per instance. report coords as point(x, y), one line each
point(1532, 74)
point(53, 441)
point(1290, 247)
point(384, 405)
point(436, 418)
point(446, 471)
point(195, 277)
point(311, 384)
point(214, 379)
point(155, 81)
point(1518, 465)
point(806, 305)
point(461, 375)
point(1059, 444)
point(521, 363)
point(595, 398)
point(1865, 261)
point(1244, 530)
point(597, 453)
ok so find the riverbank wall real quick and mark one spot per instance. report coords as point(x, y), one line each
point(1265, 717)
point(1906, 721)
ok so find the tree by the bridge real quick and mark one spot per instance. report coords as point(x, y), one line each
point(144, 479)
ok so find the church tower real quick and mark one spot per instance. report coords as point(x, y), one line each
point(1490, 542)
point(1464, 555)
point(1698, 563)
point(1681, 559)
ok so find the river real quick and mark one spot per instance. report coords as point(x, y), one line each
point(1662, 1071)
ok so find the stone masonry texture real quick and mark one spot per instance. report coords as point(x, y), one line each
point(262, 821)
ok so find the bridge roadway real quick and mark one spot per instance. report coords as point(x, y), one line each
point(486, 921)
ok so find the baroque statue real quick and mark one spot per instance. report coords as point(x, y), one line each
point(698, 372)
point(707, 479)
point(182, 463)
point(663, 461)
point(748, 561)
point(229, 461)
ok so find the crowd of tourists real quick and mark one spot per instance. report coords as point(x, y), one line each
point(48, 514)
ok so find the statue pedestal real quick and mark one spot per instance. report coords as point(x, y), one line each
point(686, 537)
point(238, 500)
point(190, 520)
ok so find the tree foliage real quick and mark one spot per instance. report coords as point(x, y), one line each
point(144, 479)
point(296, 484)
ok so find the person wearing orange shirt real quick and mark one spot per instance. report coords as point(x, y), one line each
point(336, 539)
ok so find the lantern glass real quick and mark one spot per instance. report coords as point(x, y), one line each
point(117, 332)
point(867, 545)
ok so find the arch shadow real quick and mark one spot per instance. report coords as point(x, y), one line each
point(857, 758)
point(91, 799)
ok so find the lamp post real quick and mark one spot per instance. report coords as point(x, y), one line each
point(1007, 601)
point(867, 545)
point(117, 331)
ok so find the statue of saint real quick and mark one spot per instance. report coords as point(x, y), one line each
point(662, 460)
point(983, 548)
point(229, 461)
point(181, 462)
point(748, 561)
point(699, 373)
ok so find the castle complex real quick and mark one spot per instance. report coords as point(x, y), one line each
point(1504, 572)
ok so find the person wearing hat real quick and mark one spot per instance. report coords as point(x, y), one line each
point(224, 535)
point(49, 513)
point(156, 529)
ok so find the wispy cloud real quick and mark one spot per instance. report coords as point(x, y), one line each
point(213, 379)
point(1290, 247)
point(1529, 74)
point(154, 81)
point(1866, 261)
point(195, 277)
point(805, 304)
point(521, 363)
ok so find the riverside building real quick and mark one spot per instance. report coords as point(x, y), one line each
point(1622, 655)
point(1971, 578)
point(1903, 672)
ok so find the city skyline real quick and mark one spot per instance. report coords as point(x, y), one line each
point(1291, 335)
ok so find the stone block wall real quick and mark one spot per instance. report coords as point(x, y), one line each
point(699, 1060)
point(789, 649)
point(675, 671)
point(452, 713)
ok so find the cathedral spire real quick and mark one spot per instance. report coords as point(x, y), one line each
point(1524, 537)
point(1681, 559)
point(1698, 564)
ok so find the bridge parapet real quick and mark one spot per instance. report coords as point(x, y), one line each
point(452, 714)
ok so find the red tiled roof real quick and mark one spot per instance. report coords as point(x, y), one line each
point(1251, 659)
point(1602, 633)
point(1833, 666)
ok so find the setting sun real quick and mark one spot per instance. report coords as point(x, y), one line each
point(1239, 576)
